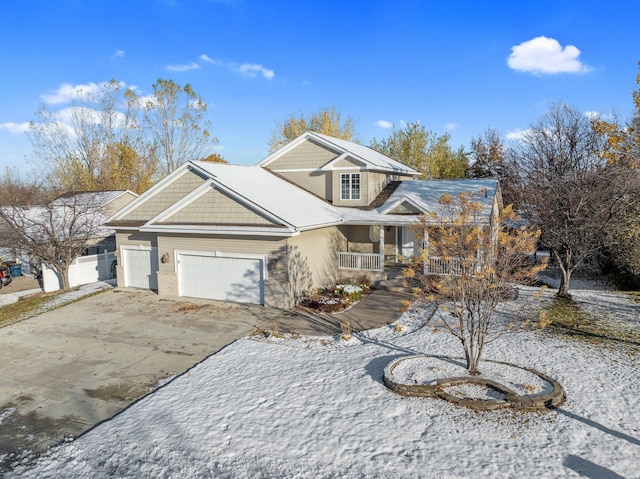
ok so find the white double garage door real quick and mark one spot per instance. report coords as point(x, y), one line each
point(222, 276)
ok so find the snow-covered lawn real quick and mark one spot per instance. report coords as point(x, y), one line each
point(317, 408)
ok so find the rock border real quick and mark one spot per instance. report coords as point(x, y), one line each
point(528, 402)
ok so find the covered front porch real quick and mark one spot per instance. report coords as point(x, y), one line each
point(378, 248)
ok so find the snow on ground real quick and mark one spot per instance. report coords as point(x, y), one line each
point(60, 299)
point(319, 409)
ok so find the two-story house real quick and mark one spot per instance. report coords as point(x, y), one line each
point(314, 211)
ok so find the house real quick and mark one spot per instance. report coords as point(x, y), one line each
point(314, 211)
point(77, 215)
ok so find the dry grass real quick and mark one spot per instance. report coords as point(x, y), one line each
point(347, 330)
point(33, 305)
point(563, 316)
point(184, 307)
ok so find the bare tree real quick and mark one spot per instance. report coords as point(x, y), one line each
point(55, 231)
point(175, 124)
point(568, 189)
point(484, 259)
point(111, 138)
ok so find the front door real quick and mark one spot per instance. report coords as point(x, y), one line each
point(407, 246)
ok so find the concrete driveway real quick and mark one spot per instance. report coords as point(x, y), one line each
point(66, 370)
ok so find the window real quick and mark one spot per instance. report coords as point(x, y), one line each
point(350, 186)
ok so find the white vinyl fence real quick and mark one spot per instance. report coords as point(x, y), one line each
point(83, 270)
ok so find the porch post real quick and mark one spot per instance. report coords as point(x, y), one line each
point(381, 248)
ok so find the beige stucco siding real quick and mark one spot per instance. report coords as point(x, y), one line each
point(313, 258)
point(317, 182)
point(306, 155)
point(166, 197)
point(216, 207)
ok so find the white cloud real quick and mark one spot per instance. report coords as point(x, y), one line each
point(208, 59)
point(15, 127)
point(247, 69)
point(517, 134)
point(253, 69)
point(118, 54)
point(67, 93)
point(183, 68)
point(592, 115)
point(384, 124)
point(452, 126)
point(546, 55)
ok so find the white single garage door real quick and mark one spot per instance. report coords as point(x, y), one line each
point(140, 267)
point(221, 278)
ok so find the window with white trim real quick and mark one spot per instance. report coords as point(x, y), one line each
point(350, 186)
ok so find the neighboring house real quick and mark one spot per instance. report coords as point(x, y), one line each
point(102, 204)
point(317, 210)
point(75, 211)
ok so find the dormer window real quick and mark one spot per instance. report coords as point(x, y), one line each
point(350, 186)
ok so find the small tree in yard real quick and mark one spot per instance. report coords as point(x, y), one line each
point(484, 261)
point(56, 231)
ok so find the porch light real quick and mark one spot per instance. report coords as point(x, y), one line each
point(374, 233)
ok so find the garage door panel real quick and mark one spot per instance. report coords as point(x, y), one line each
point(140, 268)
point(221, 278)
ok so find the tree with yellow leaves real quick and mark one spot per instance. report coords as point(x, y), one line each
point(327, 121)
point(485, 256)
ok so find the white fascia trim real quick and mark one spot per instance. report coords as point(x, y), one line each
point(347, 154)
point(246, 202)
point(221, 254)
point(399, 202)
point(177, 206)
point(251, 205)
point(321, 225)
point(382, 222)
point(289, 146)
point(351, 168)
point(137, 247)
point(135, 195)
point(140, 200)
point(218, 230)
point(126, 228)
point(296, 170)
point(203, 189)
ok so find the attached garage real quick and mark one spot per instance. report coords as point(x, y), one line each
point(140, 266)
point(220, 276)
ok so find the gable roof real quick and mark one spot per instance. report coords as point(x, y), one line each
point(344, 149)
point(290, 208)
point(90, 198)
point(422, 196)
point(425, 194)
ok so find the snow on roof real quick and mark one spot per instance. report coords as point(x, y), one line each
point(371, 156)
point(425, 194)
point(258, 186)
point(97, 198)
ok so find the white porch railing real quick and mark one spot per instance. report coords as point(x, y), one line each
point(437, 265)
point(361, 261)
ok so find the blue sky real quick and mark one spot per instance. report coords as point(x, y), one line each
point(456, 67)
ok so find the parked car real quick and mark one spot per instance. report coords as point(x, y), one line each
point(5, 275)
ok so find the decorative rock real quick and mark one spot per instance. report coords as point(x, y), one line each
point(512, 399)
